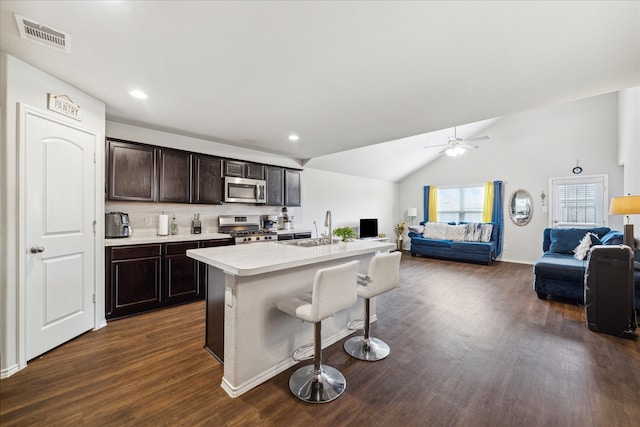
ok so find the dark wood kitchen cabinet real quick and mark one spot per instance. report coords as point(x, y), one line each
point(174, 176)
point(133, 279)
point(243, 169)
point(207, 179)
point(234, 168)
point(275, 185)
point(181, 273)
point(214, 329)
point(292, 187)
point(146, 173)
point(254, 171)
point(145, 277)
point(131, 171)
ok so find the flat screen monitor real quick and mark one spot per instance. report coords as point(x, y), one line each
point(368, 228)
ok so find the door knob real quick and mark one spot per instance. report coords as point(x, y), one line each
point(36, 249)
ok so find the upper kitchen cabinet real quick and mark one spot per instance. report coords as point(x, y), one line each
point(207, 179)
point(292, 188)
point(275, 185)
point(254, 171)
point(243, 169)
point(132, 170)
point(174, 177)
point(283, 186)
point(233, 168)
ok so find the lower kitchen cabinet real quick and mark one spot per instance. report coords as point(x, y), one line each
point(133, 279)
point(181, 273)
point(145, 277)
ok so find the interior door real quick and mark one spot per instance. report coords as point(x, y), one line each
point(59, 200)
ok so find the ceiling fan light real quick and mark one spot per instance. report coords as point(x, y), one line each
point(455, 151)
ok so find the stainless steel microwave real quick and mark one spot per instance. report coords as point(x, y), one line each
point(245, 190)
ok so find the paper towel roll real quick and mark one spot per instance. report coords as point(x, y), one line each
point(163, 225)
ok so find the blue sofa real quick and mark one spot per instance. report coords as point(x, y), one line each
point(457, 250)
point(559, 274)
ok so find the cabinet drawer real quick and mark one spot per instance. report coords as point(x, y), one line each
point(217, 242)
point(302, 236)
point(137, 251)
point(179, 248)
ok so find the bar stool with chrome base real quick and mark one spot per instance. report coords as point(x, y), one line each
point(383, 275)
point(334, 289)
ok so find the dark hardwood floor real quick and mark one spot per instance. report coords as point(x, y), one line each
point(471, 345)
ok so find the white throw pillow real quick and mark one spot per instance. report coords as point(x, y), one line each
point(580, 252)
point(418, 229)
point(485, 232)
point(474, 231)
point(435, 230)
point(456, 232)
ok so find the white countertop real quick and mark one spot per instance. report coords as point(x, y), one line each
point(140, 239)
point(144, 238)
point(249, 260)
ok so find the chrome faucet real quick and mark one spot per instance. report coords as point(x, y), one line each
point(327, 223)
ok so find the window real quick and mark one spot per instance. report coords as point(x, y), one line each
point(460, 204)
point(579, 202)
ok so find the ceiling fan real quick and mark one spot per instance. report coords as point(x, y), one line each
point(455, 147)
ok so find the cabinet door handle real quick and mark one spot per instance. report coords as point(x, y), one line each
point(36, 249)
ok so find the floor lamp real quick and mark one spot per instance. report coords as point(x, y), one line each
point(626, 205)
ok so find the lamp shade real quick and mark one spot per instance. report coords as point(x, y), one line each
point(412, 212)
point(625, 205)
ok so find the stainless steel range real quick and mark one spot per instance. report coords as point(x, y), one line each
point(245, 229)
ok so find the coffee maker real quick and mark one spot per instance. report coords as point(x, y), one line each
point(116, 224)
point(270, 222)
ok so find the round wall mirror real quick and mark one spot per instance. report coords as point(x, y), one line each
point(520, 207)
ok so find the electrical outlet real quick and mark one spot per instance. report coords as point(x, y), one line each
point(228, 296)
point(147, 220)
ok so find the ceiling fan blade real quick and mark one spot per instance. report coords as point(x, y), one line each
point(477, 138)
point(438, 145)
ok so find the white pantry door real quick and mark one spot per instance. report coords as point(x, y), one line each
point(59, 231)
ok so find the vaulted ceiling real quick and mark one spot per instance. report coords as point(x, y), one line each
point(351, 78)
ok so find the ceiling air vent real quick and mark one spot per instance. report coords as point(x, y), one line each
point(43, 34)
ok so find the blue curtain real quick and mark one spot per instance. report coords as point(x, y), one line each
point(498, 211)
point(426, 204)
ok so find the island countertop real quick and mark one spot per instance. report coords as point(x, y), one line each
point(258, 258)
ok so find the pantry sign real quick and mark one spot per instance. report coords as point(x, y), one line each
point(64, 105)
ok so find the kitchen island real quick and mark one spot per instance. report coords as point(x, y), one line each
point(246, 282)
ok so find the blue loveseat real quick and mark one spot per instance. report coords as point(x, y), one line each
point(479, 248)
point(559, 274)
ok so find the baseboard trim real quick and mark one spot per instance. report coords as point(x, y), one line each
point(5, 373)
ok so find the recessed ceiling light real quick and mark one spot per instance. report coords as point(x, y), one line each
point(136, 93)
point(293, 137)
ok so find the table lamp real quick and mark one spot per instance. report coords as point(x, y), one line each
point(412, 213)
point(626, 205)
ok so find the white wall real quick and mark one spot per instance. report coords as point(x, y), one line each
point(349, 198)
point(629, 145)
point(22, 83)
point(525, 150)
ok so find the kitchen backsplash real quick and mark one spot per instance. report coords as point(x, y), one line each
point(143, 217)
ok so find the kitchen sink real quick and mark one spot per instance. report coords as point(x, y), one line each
point(305, 243)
